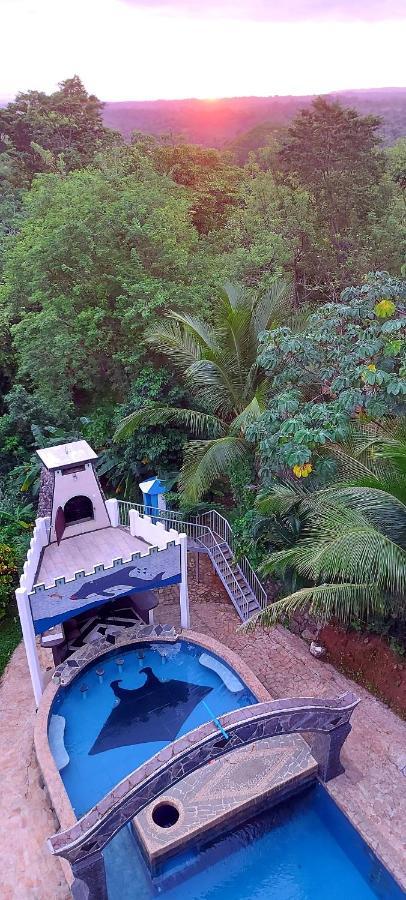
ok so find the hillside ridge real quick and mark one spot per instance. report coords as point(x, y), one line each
point(219, 122)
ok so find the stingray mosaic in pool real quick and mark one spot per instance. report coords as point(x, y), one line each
point(125, 707)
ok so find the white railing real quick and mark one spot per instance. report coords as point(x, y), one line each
point(209, 529)
point(222, 527)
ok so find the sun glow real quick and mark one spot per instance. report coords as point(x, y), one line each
point(132, 52)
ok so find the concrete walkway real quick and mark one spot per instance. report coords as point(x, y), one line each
point(372, 791)
point(27, 870)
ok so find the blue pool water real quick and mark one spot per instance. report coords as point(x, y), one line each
point(304, 849)
point(107, 736)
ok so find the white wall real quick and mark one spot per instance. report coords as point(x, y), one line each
point(153, 533)
point(74, 484)
point(38, 541)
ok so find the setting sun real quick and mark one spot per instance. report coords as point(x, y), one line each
point(130, 51)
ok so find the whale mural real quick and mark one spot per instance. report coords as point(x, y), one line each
point(155, 711)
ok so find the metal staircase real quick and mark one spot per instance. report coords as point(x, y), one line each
point(210, 533)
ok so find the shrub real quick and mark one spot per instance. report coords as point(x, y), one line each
point(8, 577)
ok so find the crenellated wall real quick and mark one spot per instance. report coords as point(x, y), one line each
point(157, 568)
point(40, 607)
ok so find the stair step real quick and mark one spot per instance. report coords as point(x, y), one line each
point(232, 577)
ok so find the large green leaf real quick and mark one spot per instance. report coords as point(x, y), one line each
point(155, 414)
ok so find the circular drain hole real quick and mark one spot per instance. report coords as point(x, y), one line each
point(165, 815)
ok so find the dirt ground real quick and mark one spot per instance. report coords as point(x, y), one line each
point(369, 660)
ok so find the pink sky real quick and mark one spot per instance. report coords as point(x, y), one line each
point(127, 50)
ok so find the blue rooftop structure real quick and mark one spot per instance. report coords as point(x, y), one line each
point(153, 492)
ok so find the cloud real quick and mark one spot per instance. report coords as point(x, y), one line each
point(276, 11)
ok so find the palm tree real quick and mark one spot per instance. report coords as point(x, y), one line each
point(352, 545)
point(218, 362)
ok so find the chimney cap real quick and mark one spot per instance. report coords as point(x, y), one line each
point(65, 455)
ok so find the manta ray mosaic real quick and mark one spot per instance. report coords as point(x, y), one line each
point(54, 604)
point(138, 717)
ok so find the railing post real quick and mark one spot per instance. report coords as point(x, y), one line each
point(183, 588)
point(133, 517)
point(113, 512)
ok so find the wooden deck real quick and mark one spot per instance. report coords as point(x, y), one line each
point(85, 551)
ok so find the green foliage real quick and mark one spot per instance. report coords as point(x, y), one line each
point(57, 132)
point(335, 155)
point(324, 209)
point(10, 636)
point(351, 548)
point(210, 177)
point(146, 451)
point(100, 254)
point(397, 163)
point(8, 575)
point(218, 365)
point(271, 232)
point(347, 364)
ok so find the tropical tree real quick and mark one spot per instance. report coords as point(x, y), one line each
point(351, 552)
point(348, 363)
point(56, 132)
point(99, 254)
point(218, 363)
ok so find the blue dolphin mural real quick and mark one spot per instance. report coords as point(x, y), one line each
point(125, 578)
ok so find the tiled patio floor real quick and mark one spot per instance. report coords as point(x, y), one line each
point(372, 790)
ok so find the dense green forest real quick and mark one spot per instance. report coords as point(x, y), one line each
point(234, 322)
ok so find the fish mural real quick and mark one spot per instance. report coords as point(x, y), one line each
point(155, 711)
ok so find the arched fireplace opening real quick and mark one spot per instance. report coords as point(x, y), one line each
point(78, 509)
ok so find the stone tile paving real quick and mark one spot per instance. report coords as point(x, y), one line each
point(227, 788)
point(27, 870)
point(372, 790)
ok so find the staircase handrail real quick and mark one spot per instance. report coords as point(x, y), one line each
point(226, 565)
point(221, 526)
point(196, 531)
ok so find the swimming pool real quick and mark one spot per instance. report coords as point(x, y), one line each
point(128, 705)
point(304, 849)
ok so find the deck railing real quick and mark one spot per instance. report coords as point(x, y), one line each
point(210, 530)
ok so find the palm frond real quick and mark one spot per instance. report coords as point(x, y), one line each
point(198, 423)
point(372, 449)
point(231, 295)
point(324, 601)
point(279, 500)
point(212, 384)
point(205, 461)
point(272, 308)
point(175, 342)
point(343, 546)
point(203, 333)
point(386, 509)
point(394, 451)
point(252, 412)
